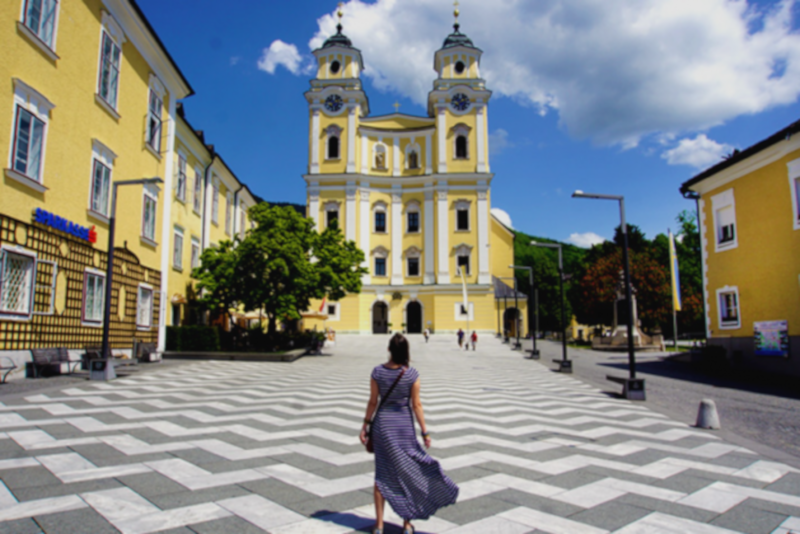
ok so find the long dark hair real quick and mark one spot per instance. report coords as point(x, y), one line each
point(398, 347)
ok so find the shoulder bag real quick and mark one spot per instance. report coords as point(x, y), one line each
point(369, 445)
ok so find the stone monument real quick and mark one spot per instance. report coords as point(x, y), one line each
point(618, 339)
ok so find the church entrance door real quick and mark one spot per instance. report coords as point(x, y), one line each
point(380, 318)
point(414, 317)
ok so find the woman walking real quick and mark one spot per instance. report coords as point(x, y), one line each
point(405, 475)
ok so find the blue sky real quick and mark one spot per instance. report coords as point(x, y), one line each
point(627, 98)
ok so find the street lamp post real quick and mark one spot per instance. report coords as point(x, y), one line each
point(565, 365)
point(535, 351)
point(633, 387)
point(105, 351)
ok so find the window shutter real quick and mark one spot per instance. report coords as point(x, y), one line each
point(725, 216)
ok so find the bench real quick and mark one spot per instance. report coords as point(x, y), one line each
point(95, 353)
point(7, 365)
point(145, 352)
point(632, 388)
point(48, 362)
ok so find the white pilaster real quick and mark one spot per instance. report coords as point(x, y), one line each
point(364, 154)
point(314, 168)
point(351, 139)
point(486, 120)
point(396, 157)
point(481, 131)
point(428, 155)
point(397, 236)
point(441, 129)
point(443, 233)
point(484, 276)
point(166, 224)
point(366, 226)
point(313, 203)
point(350, 212)
point(428, 261)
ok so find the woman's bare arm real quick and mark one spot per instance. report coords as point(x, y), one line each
point(373, 402)
point(416, 405)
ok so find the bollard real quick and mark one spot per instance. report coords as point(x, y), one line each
point(707, 416)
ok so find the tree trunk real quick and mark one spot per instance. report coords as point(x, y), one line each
point(273, 325)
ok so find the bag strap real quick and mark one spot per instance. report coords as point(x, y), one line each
point(385, 397)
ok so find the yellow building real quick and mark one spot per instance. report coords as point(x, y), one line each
point(749, 208)
point(413, 192)
point(91, 99)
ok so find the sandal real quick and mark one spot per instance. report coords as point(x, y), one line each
point(377, 531)
point(409, 530)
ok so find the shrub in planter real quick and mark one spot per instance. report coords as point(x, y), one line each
point(192, 338)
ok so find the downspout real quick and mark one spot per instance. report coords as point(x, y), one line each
point(166, 224)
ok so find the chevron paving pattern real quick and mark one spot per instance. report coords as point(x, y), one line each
point(272, 447)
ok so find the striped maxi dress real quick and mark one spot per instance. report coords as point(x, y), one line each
point(407, 477)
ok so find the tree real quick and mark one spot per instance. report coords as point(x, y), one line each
point(339, 264)
point(216, 278)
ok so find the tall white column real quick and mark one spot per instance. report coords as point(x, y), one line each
point(429, 255)
point(484, 276)
point(397, 236)
point(314, 144)
point(443, 234)
point(486, 120)
point(166, 224)
point(396, 157)
point(480, 133)
point(350, 212)
point(313, 203)
point(364, 154)
point(428, 155)
point(351, 139)
point(366, 226)
point(441, 130)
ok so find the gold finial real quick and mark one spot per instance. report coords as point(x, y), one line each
point(456, 12)
point(397, 107)
point(340, 13)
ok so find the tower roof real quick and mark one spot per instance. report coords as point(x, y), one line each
point(338, 39)
point(457, 39)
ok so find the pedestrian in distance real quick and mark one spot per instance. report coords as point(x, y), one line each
point(460, 338)
point(474, 339)
point(405, 475)
point(427, 334)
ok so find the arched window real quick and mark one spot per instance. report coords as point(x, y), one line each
point(461, 147)
point(413, 160)
point(463, 253)
point(380, 157)
point(379, 211)
point(412, 218)
point(333, 147)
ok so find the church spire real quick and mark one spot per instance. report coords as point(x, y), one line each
point(456, 13)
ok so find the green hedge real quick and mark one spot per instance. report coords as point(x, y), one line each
point(192, 339)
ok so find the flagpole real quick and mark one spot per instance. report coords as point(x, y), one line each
point(673, 258)
point(466, 299)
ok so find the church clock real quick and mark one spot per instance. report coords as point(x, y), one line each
point(334, 103)
point(460, 102)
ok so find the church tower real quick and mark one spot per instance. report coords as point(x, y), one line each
point(413, 192)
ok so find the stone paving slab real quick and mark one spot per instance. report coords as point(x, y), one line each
point(247, 447)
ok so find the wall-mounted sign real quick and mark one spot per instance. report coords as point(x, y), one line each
point(772, 338)
point(60, 223)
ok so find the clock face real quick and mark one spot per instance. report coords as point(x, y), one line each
point(460, 102)
point(334, 103)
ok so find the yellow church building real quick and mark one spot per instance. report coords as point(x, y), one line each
point(413, 192)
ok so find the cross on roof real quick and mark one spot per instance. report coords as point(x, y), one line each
point(397, 107)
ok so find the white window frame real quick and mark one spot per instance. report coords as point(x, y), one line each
point(461, 251)
point(413, 253)
point(113, 31)
point(18, 315)
point(177, 251)
point(333, 207)
point(181, 178)
point(459, 130)
point(333, 131)
point(228, 214)
point(139, 324)
point(197, 197)
point(794, 191)
point(85, 319)
point(413, 207)
point(195, 252)
point(48, 47)
point(458, 308)
point(335, 316)
point(101, 155)
point(215, 202)
point(155, 111)
point(728, 290)
point(31, 101)
point(149, 196)
point(463, 205)
point(380, 147)
point(719, 202)
point(380, 207)
point(380, 253)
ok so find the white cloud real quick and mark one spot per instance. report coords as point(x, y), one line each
point(280, 53)
point(613, 71)
point(235, 60)
point(503, 217)
point(498, 141)
point(700, 152)
point(585, 240)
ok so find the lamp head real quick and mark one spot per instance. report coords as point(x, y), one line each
point(577, 194)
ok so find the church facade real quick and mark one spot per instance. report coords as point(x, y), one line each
point(413, 192)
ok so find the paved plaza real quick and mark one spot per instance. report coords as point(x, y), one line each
point(240, 447)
